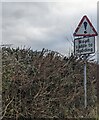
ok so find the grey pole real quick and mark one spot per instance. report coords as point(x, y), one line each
point(85, 84)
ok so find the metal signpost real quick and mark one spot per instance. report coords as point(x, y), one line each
point(85, 83)
point(84, 44)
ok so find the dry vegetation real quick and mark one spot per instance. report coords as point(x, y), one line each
point(45, 85)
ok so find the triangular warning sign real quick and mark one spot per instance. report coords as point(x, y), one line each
point(85, 28)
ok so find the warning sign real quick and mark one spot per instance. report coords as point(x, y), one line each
point(85, 28)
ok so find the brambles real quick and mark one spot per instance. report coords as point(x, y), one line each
point(45, 84)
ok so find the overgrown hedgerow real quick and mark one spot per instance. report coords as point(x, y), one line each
point(44, 84)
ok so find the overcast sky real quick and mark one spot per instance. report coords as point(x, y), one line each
point(47, 25)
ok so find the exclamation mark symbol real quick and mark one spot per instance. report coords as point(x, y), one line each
point(85, 26)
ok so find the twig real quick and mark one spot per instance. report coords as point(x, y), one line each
point(6, 109)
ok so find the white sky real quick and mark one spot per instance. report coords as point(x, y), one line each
point(44, 24)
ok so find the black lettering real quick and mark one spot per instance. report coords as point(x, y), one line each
point(82, 46)
point(91, 49)
point(79, 41)
point(90, 45)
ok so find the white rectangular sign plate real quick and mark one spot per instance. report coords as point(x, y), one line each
point(84, 45)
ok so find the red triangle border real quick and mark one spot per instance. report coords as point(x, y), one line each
point(90, 35)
